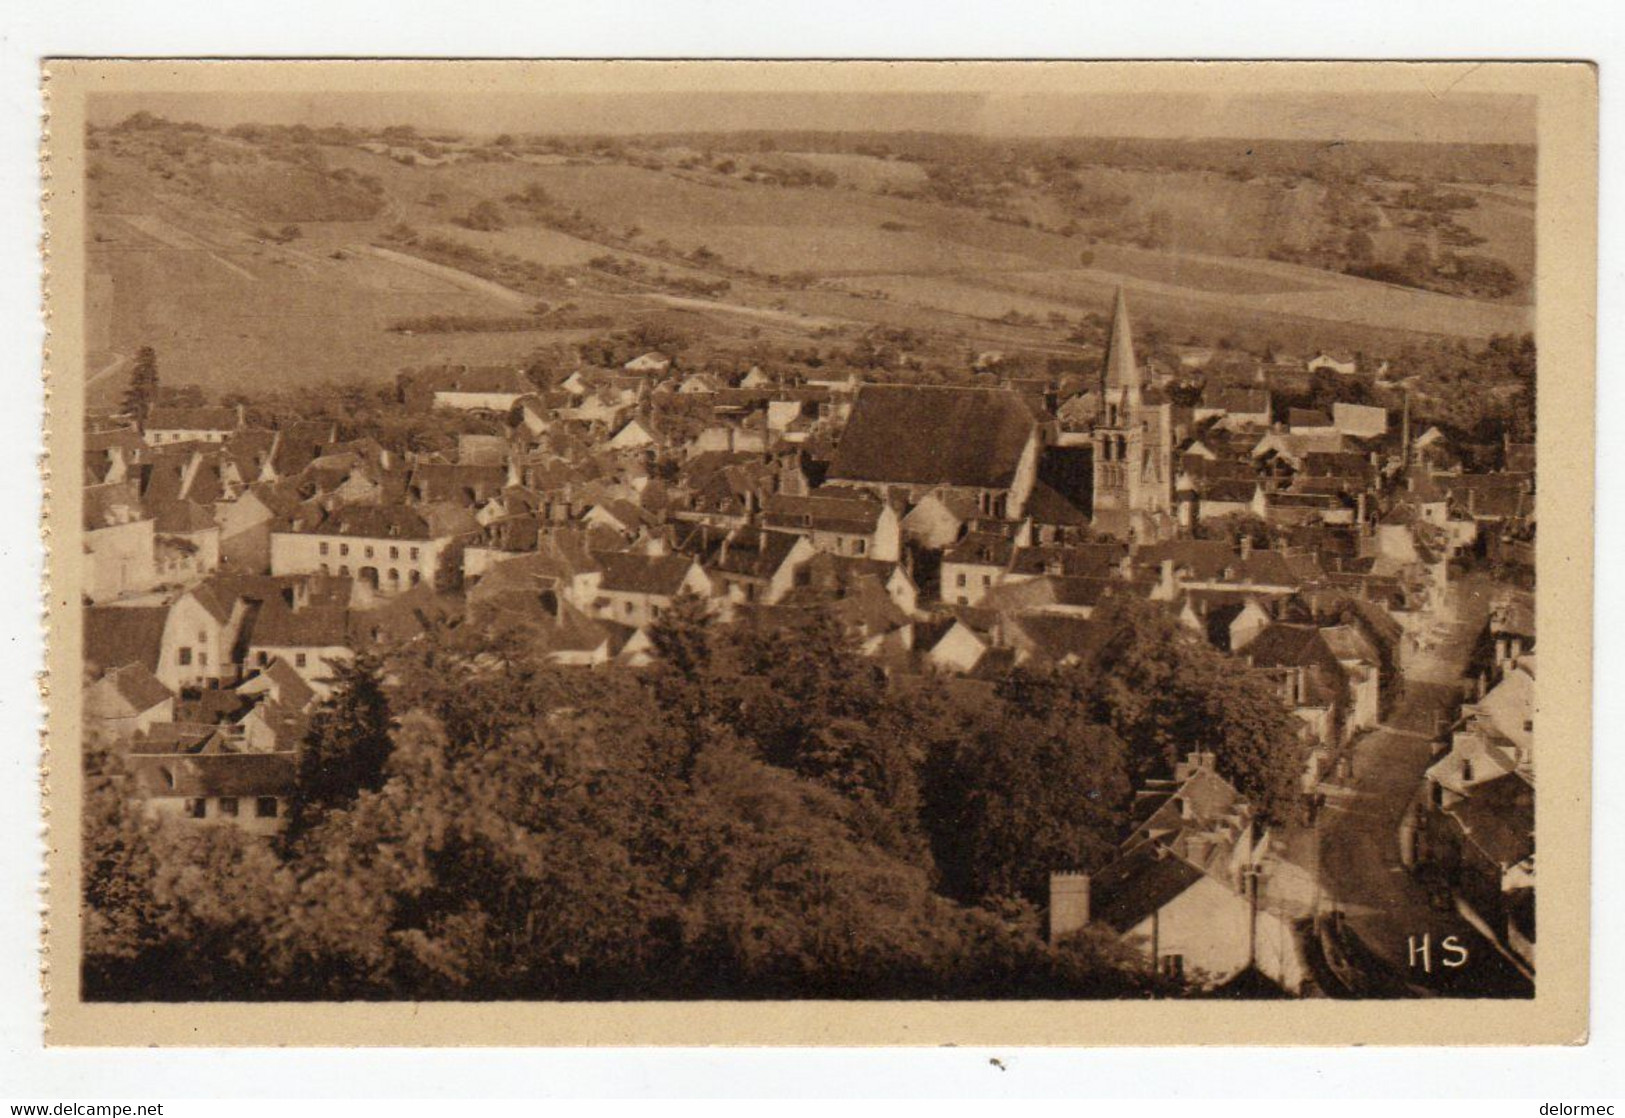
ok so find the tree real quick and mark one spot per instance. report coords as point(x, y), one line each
point(1028, 784)
point(142, 393)
point(348, 744)
point(1166, 691)
point(527, 833)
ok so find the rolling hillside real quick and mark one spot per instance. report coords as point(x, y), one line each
point(241, 259)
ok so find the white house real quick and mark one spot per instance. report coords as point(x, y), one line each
point(636, 589)
point(842, 523)
point(490, 388)
point(119, 543)
point(182, 425)
point(388, 547)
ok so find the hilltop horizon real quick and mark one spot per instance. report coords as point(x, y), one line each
point(1474, 119)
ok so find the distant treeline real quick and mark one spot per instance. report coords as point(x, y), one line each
point(463, 324)
point(1446, 162)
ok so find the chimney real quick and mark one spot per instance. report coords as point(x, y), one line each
point(1125, 567)
point(1303, 686)
point(1169, 586)
point(1246, 546)
point(1068, 904)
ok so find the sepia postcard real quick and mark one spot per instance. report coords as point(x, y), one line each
point(829, 553)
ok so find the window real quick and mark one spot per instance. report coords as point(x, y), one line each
point(202, 659)
point(265, 807)
point(197, 809)
point(394, 575)
point(202, 636)
point(414, 553)
point(860, 546)
point(263, 658)
point(323, 547)
point(369, 551)
point(344, 549)
point(1172, 966)
point(959, 579)
point(394, 552)
point(228, 806)
point(298, 659)
point(987, 580)
point(629, 609)
point(416, 578)
point(184, 657)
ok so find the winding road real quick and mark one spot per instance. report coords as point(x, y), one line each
point(1386, 911)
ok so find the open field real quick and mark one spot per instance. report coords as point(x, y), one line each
point(184, 263)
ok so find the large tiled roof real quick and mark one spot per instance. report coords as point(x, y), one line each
point(276, 625)
point(215, 774)
point(120, 635)
point(138, 687)
point(370, 522)
point(630, 572)
point(184, 517)
point(1056, 637)
point(1136, 885)
point(1499, 819)
point(753, 554)
point(192, 419)
point(827, 512)
point(911, 435)
point(1095, 560)
point(1287, 646)
point(475, 378)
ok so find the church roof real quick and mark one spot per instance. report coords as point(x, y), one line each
point(907, 434)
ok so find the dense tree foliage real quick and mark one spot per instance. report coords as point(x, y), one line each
point(746, 821)
point(1166, 691)
point(1024, 785)
point(348, 745)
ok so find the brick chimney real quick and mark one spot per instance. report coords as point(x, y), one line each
point(1068, 904)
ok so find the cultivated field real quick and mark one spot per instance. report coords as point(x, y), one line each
point(185, 263)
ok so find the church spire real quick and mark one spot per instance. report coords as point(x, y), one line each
point(1121, 370)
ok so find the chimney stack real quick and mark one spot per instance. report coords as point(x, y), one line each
point(1068, 904)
